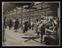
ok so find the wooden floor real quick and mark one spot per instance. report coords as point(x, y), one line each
point(15, 38)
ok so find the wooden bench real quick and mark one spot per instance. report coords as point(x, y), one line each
point(31, 38)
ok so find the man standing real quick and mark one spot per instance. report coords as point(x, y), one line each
point(36, 27)
point(42, 29)
point(16, 25)
point(5, 23)
point(25, 26)
point(10, 23)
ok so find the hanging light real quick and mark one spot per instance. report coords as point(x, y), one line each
point(14, 9)
point(36, 3)
point(25, 6)
point(19, 7)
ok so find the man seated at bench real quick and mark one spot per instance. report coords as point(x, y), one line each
point(49, 39)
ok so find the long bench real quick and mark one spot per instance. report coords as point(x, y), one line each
point(30, 38)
